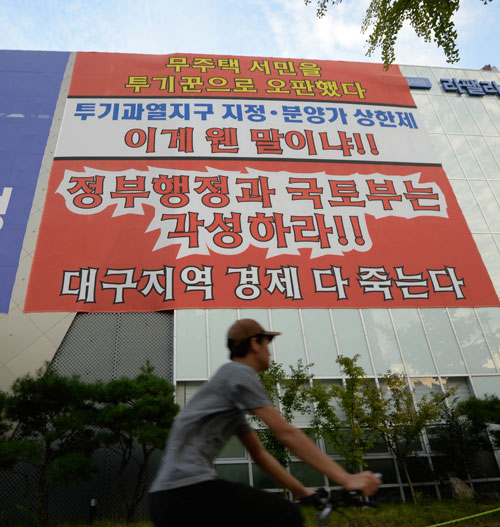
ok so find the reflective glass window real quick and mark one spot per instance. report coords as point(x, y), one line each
point(442, 73)
point(472, 341)
point(330, 449)
point(424, 71)
point(289, 346)
point(219, 321)
point(414, 346)
point(459, 385)
point(489, 75)
point(320, 340)
point(495, 187)
point(488, 203)
point(494, 144)
point(427, 113)
point(262, 480)
point(424, 387)
point(185, 391)
point(191, 389)
point(420, 469)
point(466, 156)
point(446, 115)
point(379, 446)
point(383, 466)
point(489, 385)
point(490, 321)
point(260, 315)
point(491, 168)
point(408, 70)
point(191, 344)
point(493, 109)
point(303, 419)
point(447, 156)
point(306, 474)
point(469, 206)
point(383, 342)
point(233, 448)
point(233, 472)
point(442, 340)
point(464, 116)
point(473, 74)
point(484, 465)
point(458, 73)
point(481, 116)
point(491, 257)
point(351, 336)
point(334, 403)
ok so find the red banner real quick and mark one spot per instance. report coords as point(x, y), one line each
point(187, 181)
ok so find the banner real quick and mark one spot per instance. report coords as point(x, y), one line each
point(28, 96)
point(190, 181)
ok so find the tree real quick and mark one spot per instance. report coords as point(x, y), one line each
point(431, 20)
point(288, 393)
point(54, 433)
point(135, 416)
point(350, 436)
point(13, 450)
point(4, 424)
point(400, 420)
point(482, 413)
point(458, 438)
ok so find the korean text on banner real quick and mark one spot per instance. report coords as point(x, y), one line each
point(187, 181)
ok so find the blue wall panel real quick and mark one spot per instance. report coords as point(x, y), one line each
point(29, 87)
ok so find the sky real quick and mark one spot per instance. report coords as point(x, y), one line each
point(268, 28)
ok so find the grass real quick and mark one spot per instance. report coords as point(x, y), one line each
point(386, 515)
point(109, 523)
point(406, 515)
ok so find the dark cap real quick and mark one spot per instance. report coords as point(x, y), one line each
point(245, 329)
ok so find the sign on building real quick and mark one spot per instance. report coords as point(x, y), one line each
point(186, 181)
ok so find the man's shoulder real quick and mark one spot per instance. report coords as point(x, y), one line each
point(239, 382)
point(234, 365)
point(236, 369)
point(227, 373)
point(233, 374)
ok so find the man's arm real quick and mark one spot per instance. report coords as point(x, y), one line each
point(271, 465)
point(298, 443)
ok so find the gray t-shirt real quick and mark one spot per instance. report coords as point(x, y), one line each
point(202, 428)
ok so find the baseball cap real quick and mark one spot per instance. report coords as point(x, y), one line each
point(245, 329)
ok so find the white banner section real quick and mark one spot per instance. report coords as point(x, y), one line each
point(242, 129)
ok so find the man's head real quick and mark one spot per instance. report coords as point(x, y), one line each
point(244, 334)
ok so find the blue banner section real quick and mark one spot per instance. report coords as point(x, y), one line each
point(28, 94)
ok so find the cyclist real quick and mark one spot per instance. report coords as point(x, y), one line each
point(186, 491)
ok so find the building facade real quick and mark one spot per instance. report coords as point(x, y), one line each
point(434, 347)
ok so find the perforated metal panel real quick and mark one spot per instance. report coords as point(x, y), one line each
point(105, 346)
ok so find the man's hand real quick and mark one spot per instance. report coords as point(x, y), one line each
point(366, 482)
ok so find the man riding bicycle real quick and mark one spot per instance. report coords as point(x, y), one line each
point(186, 491)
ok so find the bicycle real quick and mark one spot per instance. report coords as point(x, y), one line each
point(327, 502)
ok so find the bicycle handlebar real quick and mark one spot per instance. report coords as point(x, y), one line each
point(325, 502)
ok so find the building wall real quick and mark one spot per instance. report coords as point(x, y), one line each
point(27, 341)
point(435, 348)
